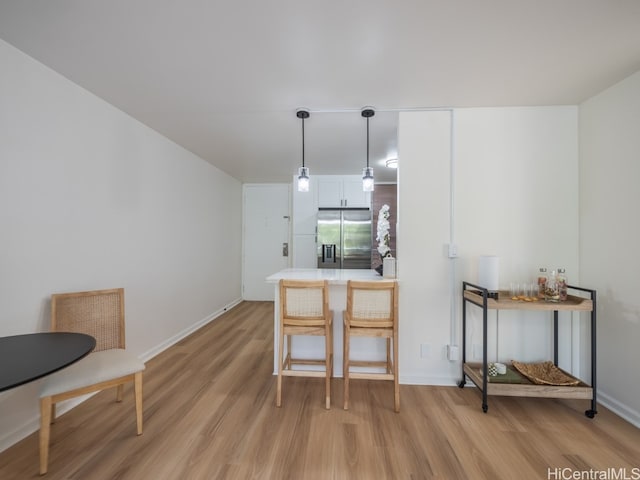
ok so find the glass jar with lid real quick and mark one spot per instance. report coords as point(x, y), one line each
point(561, 282)
point(551, 293)
point(543, 278)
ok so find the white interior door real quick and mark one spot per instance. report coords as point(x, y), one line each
point(266, 218)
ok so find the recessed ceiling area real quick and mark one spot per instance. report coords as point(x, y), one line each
point(224, 79)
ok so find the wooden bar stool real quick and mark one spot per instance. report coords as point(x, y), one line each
point(372, 311)
point(304, 310)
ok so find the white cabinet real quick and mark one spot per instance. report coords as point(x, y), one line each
point(305, 209)
point(304, 251)
point(305, 218)
point(354, 195)
point(330, 192)
point(342, 191)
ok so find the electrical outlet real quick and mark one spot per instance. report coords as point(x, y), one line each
point(450, 250)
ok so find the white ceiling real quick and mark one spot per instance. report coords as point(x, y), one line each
point(224, 78)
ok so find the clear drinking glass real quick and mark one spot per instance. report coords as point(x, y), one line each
point(514, 290)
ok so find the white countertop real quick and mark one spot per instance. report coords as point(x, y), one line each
point(334, 276)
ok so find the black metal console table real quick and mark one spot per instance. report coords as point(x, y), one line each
point(479, 296)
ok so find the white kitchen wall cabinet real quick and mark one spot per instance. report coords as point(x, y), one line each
point(342, 191)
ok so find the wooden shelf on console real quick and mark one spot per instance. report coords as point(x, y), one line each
point(527, 389)
point(504, 302)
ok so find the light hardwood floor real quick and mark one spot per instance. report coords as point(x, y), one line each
point(210, 413)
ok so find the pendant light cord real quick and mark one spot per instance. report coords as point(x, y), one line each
point(367, 113)
point(367, 142)
point(302, 114)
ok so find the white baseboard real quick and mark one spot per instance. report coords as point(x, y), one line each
point(440, 381)
point(410, 380)
point(10, 438)
point(620, 409)
point(149, 354)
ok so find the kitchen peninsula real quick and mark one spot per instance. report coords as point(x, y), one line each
point(313, 347)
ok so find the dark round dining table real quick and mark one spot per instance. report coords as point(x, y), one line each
point(24, 358)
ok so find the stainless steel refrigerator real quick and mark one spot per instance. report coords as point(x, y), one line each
point(344, 238)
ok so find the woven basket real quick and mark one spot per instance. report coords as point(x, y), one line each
point(545, 373)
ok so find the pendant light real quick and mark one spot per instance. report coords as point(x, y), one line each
point(367, 172)
point(303, 172)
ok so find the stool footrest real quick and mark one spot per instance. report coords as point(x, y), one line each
point(303, 373)
point(304, 361)
point(371, 376)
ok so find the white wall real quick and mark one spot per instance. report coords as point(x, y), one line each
point(609, 236)
point(515, 195)
point(89, 199)
point(422, 229)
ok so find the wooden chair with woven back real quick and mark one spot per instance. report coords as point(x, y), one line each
point(98, 313)
point(304, 310)
point(372, 311)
